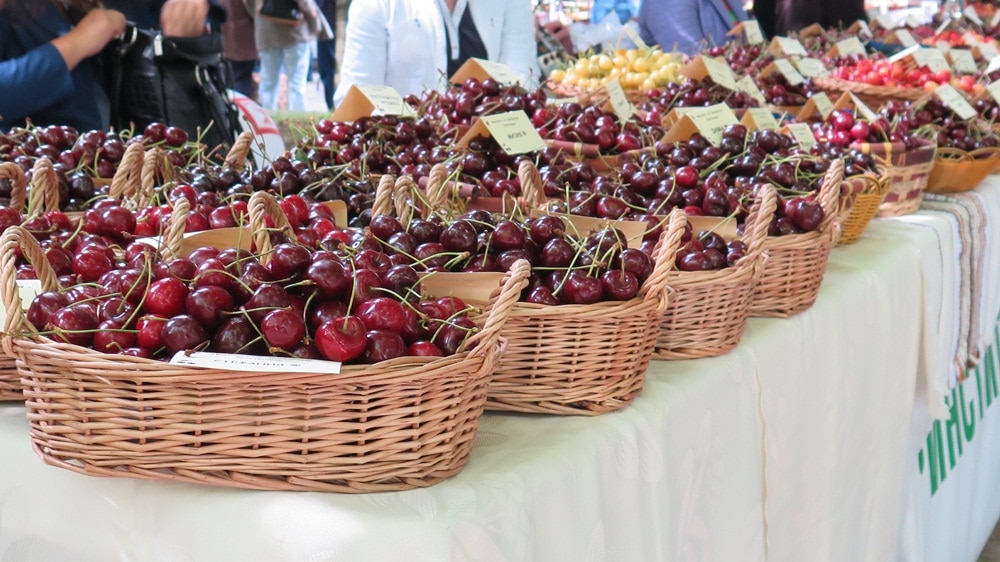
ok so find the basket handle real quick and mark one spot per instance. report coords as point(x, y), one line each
point(173, 237)
point(953, 154)
point(128, 178)
point(44, 193)
point(236, 158)
point(382, 205)
point(759, 219)
point(531, 183)
point(829, 193)
point(261, 205)
point(152, 169)
point(14, 240)
point(19, 185)
point(499, 307)
point(436, 190)
point(984, 153)
point(408, 201)
point(663, 259)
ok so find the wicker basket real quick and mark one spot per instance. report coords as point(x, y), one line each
point(860, 199)
point(404, 423)
point(10, 383)
point(796, 263)
point(956, 170)
point(708, 310)
point(597, 97)
point(873, 96)
point(454, 198)
point(583, 359)
point(909, 171)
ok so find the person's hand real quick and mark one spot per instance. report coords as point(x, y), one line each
point(88, 37)
point(183, 18)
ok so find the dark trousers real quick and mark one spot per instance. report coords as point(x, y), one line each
point(326, 59)
point(243, 77)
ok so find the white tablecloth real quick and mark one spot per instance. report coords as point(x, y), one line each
point(794, 447)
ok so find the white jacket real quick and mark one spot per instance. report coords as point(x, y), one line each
point(401, 43)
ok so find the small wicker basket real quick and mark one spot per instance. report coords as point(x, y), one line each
point(956, 170)
point(796, 263)
point(708, 310)
point(583, 359)
point(859, 202)
point(909, 171)
point(404, 423)
point(873, 96)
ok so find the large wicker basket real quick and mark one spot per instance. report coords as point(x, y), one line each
point(796, 263)
point(400, 424)
point(708, 310)
point(956, 170)
point(860, 199)
point(909, 171)
point(873, 96)
point(583, 359)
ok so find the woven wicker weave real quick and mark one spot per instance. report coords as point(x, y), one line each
point(796, 263)
point(454, 198)
point(873, 96)
point(708, 310)
point(583, 359)
point(860, 201)
point(10, 383)
point(910, 172)
point(956, 170)
point(400, 424)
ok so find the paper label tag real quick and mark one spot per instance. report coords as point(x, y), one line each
point(987, 51)
point(759, 118)
point(813, 30)
point(481, 69)
point(944, 25)
point(885, 21)
point(803, 134)
point(943, 46)
point(812, 68)
point(823, 103)
point(28, 289)
point(861, 28)
point(994, 65)
point(634, 36)
point(790, 47)
point(386, 99)
point(954, 100)
point(619, 101)
point(970, 39)
point(963, 61)
point(913, 21)
point(514, 132)
point(994, 91)
point(711, 122)
point(253, 363)
point(746, 84)
point(970, 12)
point(932, 59)
point(750, 30)
point(849, 99)
point(995, 20)
point(720, 73)
point(562, 101)
point(850, 46)
point(786, 69)
point(905, 38)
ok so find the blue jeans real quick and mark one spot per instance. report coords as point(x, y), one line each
point(295, 61)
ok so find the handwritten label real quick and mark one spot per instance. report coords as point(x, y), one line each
point(710, 121)
point(994, 91)
point(850, 46)
point(760, 118)
point(963, 61)
point(954, 100)
point(253, 363)
point(499, 71)
point(860, 106)
point(803, 134)
point(619, 101)
point(823, 104)
point(514, 132)
point(786, 69)
point(790, 47)
point(720, 73)
point(905, 38)
point(746, 84)
point(812, 68)
point(932, 59)
point(970, 12)
point(386, 99)
point(752, 33)
point(634, 36)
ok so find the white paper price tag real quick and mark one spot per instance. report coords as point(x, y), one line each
point(905, 38)
point(994, 65)
point(803, 134)
point(27, 289)
point(963, 61)
point(955, 101)
point(987, 50)
point(791, 47)
point(995, 20)
point(850, 46)
point(994, 91)
point(746, 84)
point(812, 68)
point(970, 12)
point(752, 32)
point(619, 101)
point(514, 132)
point(253, 363)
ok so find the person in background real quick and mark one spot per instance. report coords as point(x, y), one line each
point(626, 10)
point(326, 52)
point(689, 24)
point(50, 68)
point(286, 46)
point(793, 15)
point(413, 45)
point(766, 13)
point(240, 49)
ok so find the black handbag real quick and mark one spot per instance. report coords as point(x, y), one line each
point(179, 81)
point(281, 11)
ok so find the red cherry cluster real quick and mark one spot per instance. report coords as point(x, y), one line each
point(300, 303)
point(779, 92)
point(709, 251)
point(590, 125)
point(458, 104)
point(951, 131)
point(695, 93)
point(375, 145)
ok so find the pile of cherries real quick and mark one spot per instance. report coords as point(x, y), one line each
point(708, 251)
point(458, 104)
